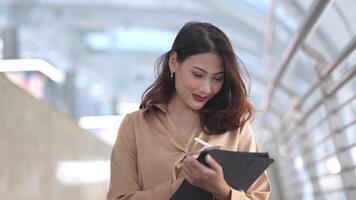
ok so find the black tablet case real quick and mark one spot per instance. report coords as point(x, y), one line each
point(241, 169)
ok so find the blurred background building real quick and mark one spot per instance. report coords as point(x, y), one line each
point(70, 70)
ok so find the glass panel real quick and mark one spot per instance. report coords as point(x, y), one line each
point(1, 48)
point(347, 115)
point(316, 116)
point(316, 96)
point(353, 154)
point(328, 183)
point(282, 102)
point(347, 9)
point(344, 67)
point(300, 74)
point(335, 196)
point(331, 41)
point(325, 149)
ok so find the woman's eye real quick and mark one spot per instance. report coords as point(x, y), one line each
point(197, 75)
point(219, 79)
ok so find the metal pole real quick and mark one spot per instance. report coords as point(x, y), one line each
point(328, 70)
point(317, 10)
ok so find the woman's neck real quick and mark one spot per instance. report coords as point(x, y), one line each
point(179, 110)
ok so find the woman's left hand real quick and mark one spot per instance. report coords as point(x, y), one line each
point(210, 179)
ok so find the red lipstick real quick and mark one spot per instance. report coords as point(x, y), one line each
point(199, 98)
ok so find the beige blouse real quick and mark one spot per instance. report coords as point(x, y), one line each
point(146, 158)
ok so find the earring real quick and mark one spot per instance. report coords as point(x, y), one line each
point(172, 74)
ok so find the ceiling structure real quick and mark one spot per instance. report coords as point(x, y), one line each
point(299, 54)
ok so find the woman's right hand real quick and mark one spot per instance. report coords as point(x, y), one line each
point(209, 178)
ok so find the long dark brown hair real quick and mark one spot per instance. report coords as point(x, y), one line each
point(229, 108)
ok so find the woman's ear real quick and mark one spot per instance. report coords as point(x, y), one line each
point(173, 61)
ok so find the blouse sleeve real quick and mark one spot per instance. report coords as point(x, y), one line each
point(124, 183)
point(261, 188)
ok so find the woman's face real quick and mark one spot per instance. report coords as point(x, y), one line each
point(197, 79)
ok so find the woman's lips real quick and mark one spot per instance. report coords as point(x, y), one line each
point(199, 98)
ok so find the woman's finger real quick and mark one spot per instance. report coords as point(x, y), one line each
point(187, 165)
point(200, 167)
point(212, 163)
point(186, 176)
point(196, 155)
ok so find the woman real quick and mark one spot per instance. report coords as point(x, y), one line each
point(199, 93)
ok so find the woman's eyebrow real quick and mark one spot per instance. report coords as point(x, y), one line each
point(203, 70)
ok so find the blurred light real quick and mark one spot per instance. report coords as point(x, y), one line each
point(98, 41)
point(96, 90)
point(101, 122)
point(353, 154)
point(104, 128)
point(125, 108)
point(261, 6)
point(285, 18)
point(106, 135)
point(252, 61)
point(143, 39)
point(82, 172)
point(130, 39)
point(298, 162)
point(81, 81)
point(21, 65)
point(1, 47)
point(333, 165)
point(282, 150)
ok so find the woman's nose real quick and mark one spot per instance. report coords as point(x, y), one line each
point(206, 87)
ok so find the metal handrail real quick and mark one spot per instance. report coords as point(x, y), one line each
point(322, 120)
point(323, 192)
point(330, 91)
point(317, 9)
point(326, 72)
point(316, 161)
point(328, 136)
point(328, 69)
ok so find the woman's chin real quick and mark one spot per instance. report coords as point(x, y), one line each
point(196, 106)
